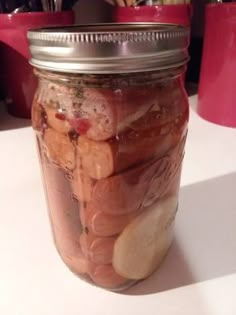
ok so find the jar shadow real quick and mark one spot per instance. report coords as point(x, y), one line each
point(205, 241)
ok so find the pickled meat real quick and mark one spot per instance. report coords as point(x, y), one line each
point(159, 185)
point(169, 108)
point(111, 111)
point(97, 249)
point(102, 224)
point(64, 211)
point(105, 276)
point(54, 95)
point(82, 185)
point(101, 159)
point(84, 213)
point(57, 120)
point(125, 193)
point(64, 216)
point(60, 149)
point(38, 116)
point(96, 157)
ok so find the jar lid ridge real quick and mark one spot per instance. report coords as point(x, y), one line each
point(109, 48)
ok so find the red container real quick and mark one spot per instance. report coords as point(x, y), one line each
point(17, 78)
point(177, 14)
point(217, 97)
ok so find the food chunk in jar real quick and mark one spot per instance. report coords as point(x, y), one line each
point(64, 211)
point(101, 159)
point(102, 224)
point(60, 149)
point(96, 157)
point(110, 111)
point(138, 186)
point(105, 276)
point(159, 185)
point(82, 185)
point(142, 245)
point(38, 115)
point(124, 193)
point(97, 249)
point(57, 120)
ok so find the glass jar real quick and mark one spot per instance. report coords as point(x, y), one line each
point(111, 145)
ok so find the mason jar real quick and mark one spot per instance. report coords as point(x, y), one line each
point(110, 117)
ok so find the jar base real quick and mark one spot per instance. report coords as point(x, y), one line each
point(85, 277)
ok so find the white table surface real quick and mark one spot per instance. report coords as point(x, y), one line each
point(198, 275)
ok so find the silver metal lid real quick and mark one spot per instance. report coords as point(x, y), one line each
point(109, 48)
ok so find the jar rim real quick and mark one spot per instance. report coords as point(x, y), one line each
point(109, 48)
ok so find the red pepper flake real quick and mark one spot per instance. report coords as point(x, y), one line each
point(81, 125)
point(60, 116)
